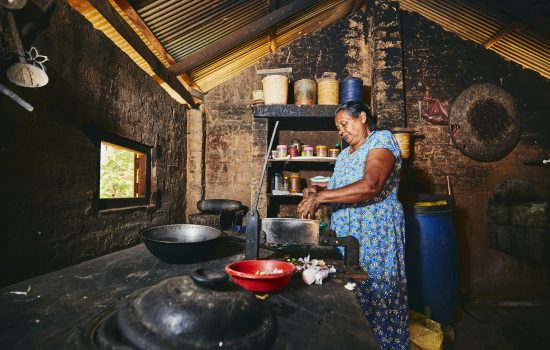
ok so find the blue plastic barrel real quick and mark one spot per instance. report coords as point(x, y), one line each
point(431, 261)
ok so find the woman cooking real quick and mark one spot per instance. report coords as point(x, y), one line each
point(363, 194)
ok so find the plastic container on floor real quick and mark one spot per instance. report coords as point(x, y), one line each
point(431, 261)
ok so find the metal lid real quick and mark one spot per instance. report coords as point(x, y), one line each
point(200, 311)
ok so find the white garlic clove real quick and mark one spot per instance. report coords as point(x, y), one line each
point(308, 276)
point(350, 286)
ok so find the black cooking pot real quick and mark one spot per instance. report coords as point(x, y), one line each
point(200, 311)
point(180, 243)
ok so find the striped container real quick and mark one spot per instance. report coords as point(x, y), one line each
point(327, 91)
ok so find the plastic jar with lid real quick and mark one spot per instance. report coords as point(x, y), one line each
point(321, 151)
point(333, 152)
point(294, 183)
point(308, 151)
point(281, 151)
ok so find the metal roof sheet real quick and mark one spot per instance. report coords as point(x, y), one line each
point(177, 29)
point(483, 23)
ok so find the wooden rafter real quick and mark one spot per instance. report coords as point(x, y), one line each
point(240, 36)
point(503, 32)
point(153, 41)
point(163, 75)
point(273, 5)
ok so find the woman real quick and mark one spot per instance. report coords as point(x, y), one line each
point(363, 193)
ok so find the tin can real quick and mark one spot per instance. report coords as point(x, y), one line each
point(274, 154)
point(293, 151)
point(321, 151)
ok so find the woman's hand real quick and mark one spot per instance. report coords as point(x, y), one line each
point(310, 190)
point(309, 205)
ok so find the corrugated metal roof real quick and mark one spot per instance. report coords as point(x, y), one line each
point(482, 23)
point(100, 23)
point(177, 29)
point(184, 27)
point(224, 67)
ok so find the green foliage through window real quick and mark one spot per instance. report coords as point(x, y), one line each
point(117, 172)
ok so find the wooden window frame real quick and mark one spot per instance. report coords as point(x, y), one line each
point(123, 203)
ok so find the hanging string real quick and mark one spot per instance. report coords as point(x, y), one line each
point(351, 89)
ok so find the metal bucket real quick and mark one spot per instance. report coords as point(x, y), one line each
point(290, 231)
point(305, 92)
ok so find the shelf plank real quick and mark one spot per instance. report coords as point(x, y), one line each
point(285, 195)
point(294, 111)
point(306, 159)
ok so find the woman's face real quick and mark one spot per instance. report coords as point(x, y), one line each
point(352, 130)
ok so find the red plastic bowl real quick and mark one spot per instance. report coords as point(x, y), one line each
point(244, 273)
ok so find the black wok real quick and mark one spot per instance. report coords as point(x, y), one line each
point(180, 243)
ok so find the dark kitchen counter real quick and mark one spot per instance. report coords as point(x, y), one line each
point(62, 307)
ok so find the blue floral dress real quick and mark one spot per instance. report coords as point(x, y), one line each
point(379, 226)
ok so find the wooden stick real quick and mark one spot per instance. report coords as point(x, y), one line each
point(16, 38)
point(16, 98)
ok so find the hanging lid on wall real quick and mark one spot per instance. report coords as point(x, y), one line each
point(22, 73)
point(200, 311)
point(484, 122)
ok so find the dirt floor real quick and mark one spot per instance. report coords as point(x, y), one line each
point(500, 327)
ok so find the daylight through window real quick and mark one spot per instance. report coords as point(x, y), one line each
point(122, 172)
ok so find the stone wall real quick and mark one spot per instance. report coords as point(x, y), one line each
point(49, 166)
point(441, 65)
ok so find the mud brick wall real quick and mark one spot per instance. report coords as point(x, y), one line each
point(236, 142)
point(49, 166)
point(384, 38)
point(441, 65)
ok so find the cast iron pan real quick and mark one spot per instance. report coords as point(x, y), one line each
point(180, 243)
point(485, 123)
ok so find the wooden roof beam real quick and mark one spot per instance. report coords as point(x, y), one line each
point(240, 36)
point(144, 29)
point(503, 32)
point(124, 29)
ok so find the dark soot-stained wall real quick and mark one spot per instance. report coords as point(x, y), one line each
point(441, 65)
point(236, 143)
point(436, 63)
point(49, 165)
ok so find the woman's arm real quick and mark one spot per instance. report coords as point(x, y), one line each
point(378, 166)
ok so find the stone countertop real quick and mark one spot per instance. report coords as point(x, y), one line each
point(62, 306)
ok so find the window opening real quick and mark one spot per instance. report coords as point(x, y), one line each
point(122, 172)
